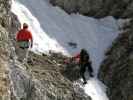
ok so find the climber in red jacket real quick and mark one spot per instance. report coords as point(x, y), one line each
point(24, 37)
point(24, 42)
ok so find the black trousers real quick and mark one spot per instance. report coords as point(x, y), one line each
point(83, 69)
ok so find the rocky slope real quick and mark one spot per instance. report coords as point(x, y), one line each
point(97, 8)
point(41, 79)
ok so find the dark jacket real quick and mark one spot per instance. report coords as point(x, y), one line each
point(83, 57)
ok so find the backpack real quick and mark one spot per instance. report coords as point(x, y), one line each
point(84, 57)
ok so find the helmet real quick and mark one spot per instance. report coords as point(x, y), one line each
point(25, 25)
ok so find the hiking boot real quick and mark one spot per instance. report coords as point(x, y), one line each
point(85, 82)
point(91, 75)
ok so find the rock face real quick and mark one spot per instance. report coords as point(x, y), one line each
point(117, 69)
point(4, 72)
point(5, 12)
point(4, 50)
point(97, 8)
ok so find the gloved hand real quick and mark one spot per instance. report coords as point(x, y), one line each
point(66, 61)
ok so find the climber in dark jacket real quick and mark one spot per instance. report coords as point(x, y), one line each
point(84, 61)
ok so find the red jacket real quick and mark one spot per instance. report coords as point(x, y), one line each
point(77, 58)
point(24, 35)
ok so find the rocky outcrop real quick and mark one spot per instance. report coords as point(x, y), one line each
point(4, 71)
point(97, 8)
point(48, 81)
point(5, 12)
point(4, 50)
point(117, 69)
